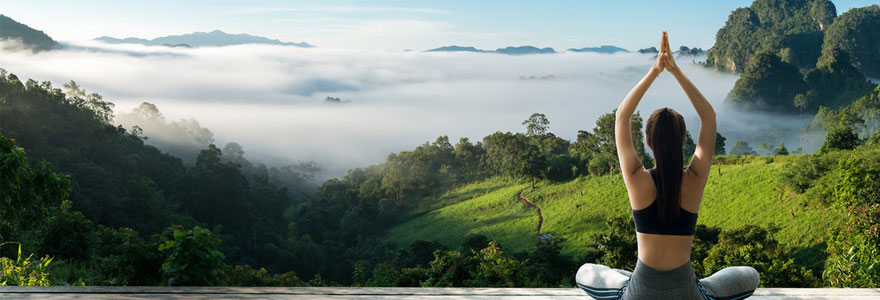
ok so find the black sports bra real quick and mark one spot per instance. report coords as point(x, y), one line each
point(648, 220)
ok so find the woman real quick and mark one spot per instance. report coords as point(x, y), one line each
point(665, 201)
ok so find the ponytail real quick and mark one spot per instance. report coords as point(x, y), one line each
point(665, 132)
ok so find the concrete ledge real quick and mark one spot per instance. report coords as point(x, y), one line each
point(167, 293)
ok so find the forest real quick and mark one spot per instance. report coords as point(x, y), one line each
point(86, 201)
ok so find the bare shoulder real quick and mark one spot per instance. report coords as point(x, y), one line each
point(641, 189)
point(692, 186)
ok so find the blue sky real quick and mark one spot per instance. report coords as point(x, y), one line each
point(397, 25)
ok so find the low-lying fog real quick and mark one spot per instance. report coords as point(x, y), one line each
point(270, 99)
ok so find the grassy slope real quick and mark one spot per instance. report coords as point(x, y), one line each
point(744, 194)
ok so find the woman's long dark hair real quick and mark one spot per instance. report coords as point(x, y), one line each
point(665, 133)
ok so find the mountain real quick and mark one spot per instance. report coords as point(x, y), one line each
point(214, 38)
point(602, 49)
point(793, 29)
point(684, 50)
point(652, 50)
point(508, 50)
point(455, 48)
point(857, 32)
point(521, 50)
point(31, 38)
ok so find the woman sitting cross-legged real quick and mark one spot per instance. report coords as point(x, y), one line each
point(665, 201)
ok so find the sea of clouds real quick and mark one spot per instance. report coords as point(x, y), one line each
point(270, 99)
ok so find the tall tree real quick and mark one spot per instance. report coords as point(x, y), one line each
point(536, 125)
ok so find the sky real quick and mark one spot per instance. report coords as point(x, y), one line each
point(396, 25)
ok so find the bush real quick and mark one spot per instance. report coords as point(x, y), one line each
point(248, 276)
point(840, 138)
point(384, 275)
point(24, 271)
point(756, 247)
point(191, 257)
point(68, 234)
point(124, 258)
point(853, 253)
point(617, 244)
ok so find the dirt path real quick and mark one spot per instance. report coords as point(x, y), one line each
point(530, 203)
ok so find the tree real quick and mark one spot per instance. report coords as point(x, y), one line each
point(719, 144)
point(801, 101)
point(536, 125)
point(840, 138)
point(689, 147)
point(467, 159)
point(765, 149)
point(73, 90)
point(26, 192)
point(742, 148)
point(68, 235)
point(781, 150)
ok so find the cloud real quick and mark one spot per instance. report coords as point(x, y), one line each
point(270, 99)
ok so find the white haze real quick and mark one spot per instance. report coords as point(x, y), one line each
point(270, 99)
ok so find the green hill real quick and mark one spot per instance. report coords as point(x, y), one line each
point(29, 37)
point(744, 194)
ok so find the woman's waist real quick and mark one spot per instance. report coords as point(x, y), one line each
point(664, 252)
point(680, 277)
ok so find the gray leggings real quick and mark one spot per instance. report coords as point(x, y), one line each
point(601, 282)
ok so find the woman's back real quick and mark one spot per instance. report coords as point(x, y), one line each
point(668, 251)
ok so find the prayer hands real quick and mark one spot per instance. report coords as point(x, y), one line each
point(665, 60)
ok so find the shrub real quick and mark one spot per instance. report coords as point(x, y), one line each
point(124, 258)
point(191, 257)
point(840, 138)
point(853, 253)
point(68, 234)
point(248, 276)
point(756, 247)
point(617, 244)
point(24, 271)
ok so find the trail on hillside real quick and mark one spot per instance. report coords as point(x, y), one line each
point(530, 203)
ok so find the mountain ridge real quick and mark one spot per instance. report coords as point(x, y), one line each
point(36, 40)
point(215, 38)
point(527, 49)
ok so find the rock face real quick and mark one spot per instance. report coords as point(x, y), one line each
point(27, 37)
point(793, 29)
point(214, 38)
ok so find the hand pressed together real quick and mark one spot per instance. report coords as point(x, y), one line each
point(665, 60)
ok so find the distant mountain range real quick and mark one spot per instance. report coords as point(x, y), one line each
point(214, 38)
point(39, 41)
point(521, 50)
point(602, 49)
point(683, 50)
point(29, 37)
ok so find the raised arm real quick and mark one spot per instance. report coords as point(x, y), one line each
point(702, 159)
point(626, 151)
